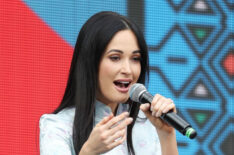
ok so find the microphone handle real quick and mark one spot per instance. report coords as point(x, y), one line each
point(171, 118)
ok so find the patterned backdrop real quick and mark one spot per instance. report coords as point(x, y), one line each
point(191, 61)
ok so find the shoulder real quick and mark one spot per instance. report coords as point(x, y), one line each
point(62, 121)
point(56, 132)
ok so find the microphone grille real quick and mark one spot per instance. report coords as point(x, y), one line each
point(135, 91)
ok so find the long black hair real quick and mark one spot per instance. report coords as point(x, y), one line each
point(82, 82)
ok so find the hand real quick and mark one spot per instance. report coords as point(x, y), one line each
point(159, 106)
point(166, 133)
point(107, 134)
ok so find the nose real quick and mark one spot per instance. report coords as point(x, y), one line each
point(126, 67)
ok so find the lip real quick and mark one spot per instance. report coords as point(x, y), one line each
point(124, 90)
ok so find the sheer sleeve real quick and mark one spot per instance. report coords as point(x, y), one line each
point(55, 136)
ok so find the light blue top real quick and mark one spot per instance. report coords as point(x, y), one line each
point(56, 133)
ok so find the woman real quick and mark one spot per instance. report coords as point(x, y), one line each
point(96, 115)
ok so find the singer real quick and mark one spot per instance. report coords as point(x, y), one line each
point(96, 115)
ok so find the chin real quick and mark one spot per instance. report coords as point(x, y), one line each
point(123, 99)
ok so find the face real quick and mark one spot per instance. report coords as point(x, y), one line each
point(119, 68)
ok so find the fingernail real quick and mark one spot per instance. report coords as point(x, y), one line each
point(126, 113)
point(130, 119)
point(142, 107)
point(157, 114)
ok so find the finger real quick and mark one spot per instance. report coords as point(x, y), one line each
point(160, 109)
point(116, 136)
point(122, 125)
point(145, 107)
point(155, 100)
point(165, 103)
point(105, 120)
point(156, 121)
point(115, 120)
point(157, 106)
point(117, 142)
point(169, 107)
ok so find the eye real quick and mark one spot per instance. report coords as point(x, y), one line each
point(114, 58)
point(136, 58)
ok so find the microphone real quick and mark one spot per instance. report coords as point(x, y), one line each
point(138, 93)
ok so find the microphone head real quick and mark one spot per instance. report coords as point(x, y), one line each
point(136, 91)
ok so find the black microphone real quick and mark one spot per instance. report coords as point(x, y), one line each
point(138, 93)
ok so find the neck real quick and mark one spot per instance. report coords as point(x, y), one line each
point(113, 107)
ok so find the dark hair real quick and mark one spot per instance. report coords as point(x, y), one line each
point(82, 83)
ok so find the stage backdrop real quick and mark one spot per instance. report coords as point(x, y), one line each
point(191, 61)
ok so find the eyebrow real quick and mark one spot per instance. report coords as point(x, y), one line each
point(119, 51)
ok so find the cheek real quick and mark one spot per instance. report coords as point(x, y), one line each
point(137, 72)
point(106, 70)
point(105, 74)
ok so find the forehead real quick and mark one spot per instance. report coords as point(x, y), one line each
point(124, 40)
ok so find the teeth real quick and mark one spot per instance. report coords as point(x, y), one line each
point(124, 82)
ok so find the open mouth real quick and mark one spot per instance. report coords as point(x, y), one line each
point(122, 84)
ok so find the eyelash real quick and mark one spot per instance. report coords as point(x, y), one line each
point(116, 58)
point(137, 58)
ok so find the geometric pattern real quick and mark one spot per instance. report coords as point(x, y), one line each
point(222, 63)
point(191, 58)
point(200, 91)
point(200, 6)
point(227, 63)
point(200, 32)
point(191, 61)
